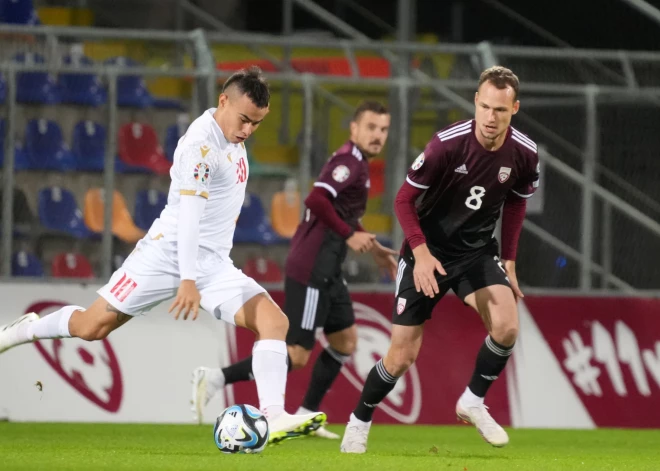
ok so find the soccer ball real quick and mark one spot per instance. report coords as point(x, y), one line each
point(241, 429)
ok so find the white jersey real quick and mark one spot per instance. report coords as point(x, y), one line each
point(207, 165)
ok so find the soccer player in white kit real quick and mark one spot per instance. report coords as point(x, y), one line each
point(185, 255)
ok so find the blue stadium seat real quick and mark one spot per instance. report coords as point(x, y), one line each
point(45, 148)
point(58, 211)
point(252, 226)
point(20, 12)
point(88, 146)
point(171, 140)
point(26, 264)
point(148, 206)
point(3, 89)
point(81, 89)
point(174, 133)
point(36, 87)
point(131, 89)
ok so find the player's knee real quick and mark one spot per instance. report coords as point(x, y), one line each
point(344, 342)
point(505, 335)
point(91, 332)
point(299, 357)
point(274, 326)
point(398, 360)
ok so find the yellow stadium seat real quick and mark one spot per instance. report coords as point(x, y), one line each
point(122, 222)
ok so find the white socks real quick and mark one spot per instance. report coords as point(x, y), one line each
point(469, 399)
point(355, 421)
point(51, 326)
point(270, 369)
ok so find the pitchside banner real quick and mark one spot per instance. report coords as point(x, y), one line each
point(579, 362)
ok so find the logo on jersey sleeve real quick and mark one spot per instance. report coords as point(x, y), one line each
point(419, 161)
point(503, 174)
point(341, 173)
point(202, 172)
point(204, 150)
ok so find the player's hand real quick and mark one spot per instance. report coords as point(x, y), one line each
point(510, 269)
point(384, 258)
point(361, 242)
point(424, 271)
point(187, 300)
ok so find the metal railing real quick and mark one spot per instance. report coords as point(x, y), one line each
point(205, 78)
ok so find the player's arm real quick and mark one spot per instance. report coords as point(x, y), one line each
point(335, 177)
point(422, 174)
point(194, 172)
point(513, 216)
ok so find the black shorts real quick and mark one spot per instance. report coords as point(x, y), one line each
point(309, 307)
point(413, 308)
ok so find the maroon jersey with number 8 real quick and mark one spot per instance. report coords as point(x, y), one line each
point(466, 186)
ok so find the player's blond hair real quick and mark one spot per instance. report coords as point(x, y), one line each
point(501, 77)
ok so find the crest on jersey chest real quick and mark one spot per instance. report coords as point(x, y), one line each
point(504, 174)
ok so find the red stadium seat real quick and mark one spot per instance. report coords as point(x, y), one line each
point(262, 270)
point(71, 265)
point(139, 147)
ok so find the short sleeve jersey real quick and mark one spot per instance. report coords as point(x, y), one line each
point(466, 186)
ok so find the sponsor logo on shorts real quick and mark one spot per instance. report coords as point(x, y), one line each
point(400, 306)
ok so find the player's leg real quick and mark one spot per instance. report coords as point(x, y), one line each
point(492, 298)
point(93, 323)
point(237, 299)
point(136, 287)
point(411, 310)
point(301, 304)
point(341, 333)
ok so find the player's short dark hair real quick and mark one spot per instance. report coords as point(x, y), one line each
point(250, 82)
point(373, 106)
point(501, 77)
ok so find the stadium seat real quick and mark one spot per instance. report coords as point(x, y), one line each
point(262, 270)
point(88, 146)
point(3, 89)
point(45, 148)
point(131, 89)
point(376, 177)
point(36, 87)
point(26, 264)
point(285, 213)
point(22, 215)
point(252, 225)
point(356, 272)
point(122, 223)
point(139, 147)
point(81, 89)
point(59, 212)
point(174, 133)
point(148, 206)
point(19, 12)
point(71, 265)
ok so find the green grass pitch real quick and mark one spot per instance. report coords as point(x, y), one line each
point(30, 446)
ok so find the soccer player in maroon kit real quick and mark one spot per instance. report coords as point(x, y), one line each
point(468, 173)
point(315, 290)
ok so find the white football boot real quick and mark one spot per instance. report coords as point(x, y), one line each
point(355, 436)
point(206, 382)
point(323, 432)
point(286, 426)
point(479, 416)
point(8, 333)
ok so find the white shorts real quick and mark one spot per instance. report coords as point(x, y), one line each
point(150, 275)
